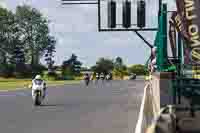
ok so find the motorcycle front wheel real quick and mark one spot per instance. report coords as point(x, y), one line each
point(37, 101)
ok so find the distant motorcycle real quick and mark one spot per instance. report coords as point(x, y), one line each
point(38, 92)
point(132, 77)
point(102, 77)
point(108, 77)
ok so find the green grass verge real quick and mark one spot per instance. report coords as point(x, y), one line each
point(13, 84)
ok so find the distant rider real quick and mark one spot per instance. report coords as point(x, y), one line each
point(108, 76)
point(86, 76)
point(97, 76)
point(102, 76)
point(39, 78)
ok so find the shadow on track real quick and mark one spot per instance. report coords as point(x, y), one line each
point(53, 105)
point(60, 105)
point(49, 105)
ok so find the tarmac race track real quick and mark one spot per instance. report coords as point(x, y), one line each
point(109, 107)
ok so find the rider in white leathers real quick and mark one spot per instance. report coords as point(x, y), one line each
point(97, 76)
point(102, 76)
point(38, 77)
point(107, 76)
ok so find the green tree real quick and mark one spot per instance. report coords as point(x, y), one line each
point(120, 70)
point(8, 34)
point(93, 68)
point(33, 32)
point(24, 38)
point(49, 54)
point(118, 62)
point(3, 28)
point(85, 69)
point(18, 59)
point(72, 65)
point(138, 69)
point(9, 40)
point(103, 65)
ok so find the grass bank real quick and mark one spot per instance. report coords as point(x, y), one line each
point(13, 84)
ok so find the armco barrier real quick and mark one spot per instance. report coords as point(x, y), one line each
point(157, 88)
point(147, 110)
point(151, 118)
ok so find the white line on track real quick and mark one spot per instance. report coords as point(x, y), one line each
point(7, 95)
point(15, 94)
point(17, 89)
point(122, 89)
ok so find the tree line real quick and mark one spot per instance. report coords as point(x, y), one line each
point(24, 39)
point(118, 68)
point(73, 67)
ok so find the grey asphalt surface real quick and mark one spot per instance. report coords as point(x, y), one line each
point(103, 108)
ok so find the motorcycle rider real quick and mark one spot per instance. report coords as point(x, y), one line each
point(39, 78)
point(102, 76)
point(97, 76)
point(108, 76)
point(87, 78)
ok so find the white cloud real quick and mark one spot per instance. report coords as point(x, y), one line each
point(3, 4)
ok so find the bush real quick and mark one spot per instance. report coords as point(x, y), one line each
point(22, 71)
point(38, 68)
point(138, 69)
point(32, 71)
point(68, 77)
point(7, 70)
point(50, 76)
point(25, 71)
point(78, 78)
point(29, 71)
point(67, 74)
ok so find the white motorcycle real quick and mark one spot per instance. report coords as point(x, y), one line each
point(38, 92)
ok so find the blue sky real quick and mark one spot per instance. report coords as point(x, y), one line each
point(75, 28)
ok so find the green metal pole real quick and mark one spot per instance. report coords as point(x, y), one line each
point(161, 39)
point(164, 36)
point(180, 47)
point(180, 53)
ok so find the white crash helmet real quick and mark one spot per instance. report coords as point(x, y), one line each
point(38, 77)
